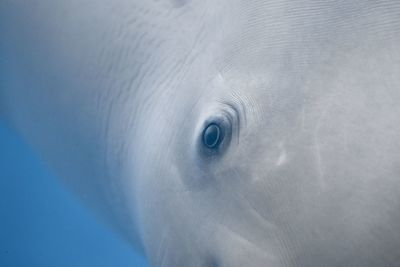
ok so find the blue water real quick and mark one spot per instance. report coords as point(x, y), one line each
point(43, 224)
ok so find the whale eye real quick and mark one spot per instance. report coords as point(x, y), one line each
point(212, 135)
point(214, 138)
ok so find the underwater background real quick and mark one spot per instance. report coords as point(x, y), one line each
point(43, 224)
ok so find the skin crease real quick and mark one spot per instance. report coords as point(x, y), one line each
point(115, 96)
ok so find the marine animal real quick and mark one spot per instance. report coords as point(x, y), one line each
point(218, 133)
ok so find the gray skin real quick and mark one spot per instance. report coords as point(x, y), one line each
point(115, 96)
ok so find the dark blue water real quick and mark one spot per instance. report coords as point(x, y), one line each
point(43, 224)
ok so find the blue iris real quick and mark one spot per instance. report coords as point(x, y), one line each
point(212, 136)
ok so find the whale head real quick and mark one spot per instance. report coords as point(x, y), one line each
point(276, 145)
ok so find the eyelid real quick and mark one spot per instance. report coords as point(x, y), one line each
point(233, 114)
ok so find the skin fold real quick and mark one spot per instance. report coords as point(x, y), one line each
point(116, 95)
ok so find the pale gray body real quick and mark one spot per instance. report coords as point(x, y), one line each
point(115, 94)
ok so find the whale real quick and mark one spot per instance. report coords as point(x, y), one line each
point(217, 133)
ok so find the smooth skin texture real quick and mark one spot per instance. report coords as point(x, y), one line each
point(305, 92)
